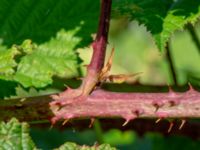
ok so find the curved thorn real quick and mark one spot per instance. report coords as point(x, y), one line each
point(120, 78)
point(110, 59)
point(91, 122)
point(107, 67)
point(158, 120)
point(170, 127)
point(65, 121)
point(126, 122)
point(183, 121)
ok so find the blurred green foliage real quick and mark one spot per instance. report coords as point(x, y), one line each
point(141, 55)
point(162, 17)
point(128, 140)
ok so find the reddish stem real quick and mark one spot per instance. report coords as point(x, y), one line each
point(99, 45)
point(97, 62)
point(133, 105)
point(107, 104)
point(99, 49)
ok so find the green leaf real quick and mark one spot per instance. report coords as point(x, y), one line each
point(162, 18)
point(15, 136)
point(53, 58)
point(105, 147)
point(40, 20)
point(117, 137)
point(7, 62)
point(73, 146)
point(68, 146)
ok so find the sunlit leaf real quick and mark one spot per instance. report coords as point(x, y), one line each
point(53, 58)
point(15, 136)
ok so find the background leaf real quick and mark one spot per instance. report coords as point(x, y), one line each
point(162, 18)
point(15, 136)
point(40, 20)
point(7, 62)
point(73, 146)
point(55, 57)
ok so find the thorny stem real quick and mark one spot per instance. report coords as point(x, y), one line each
point(133, 105)
point(107, 104)
point(194, 36)
point(171, 64)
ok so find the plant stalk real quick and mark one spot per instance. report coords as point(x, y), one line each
point(194, 36)
point(171, 63)
point(99, 49)
point(100, 43)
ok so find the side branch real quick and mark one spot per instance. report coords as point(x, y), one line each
point(99, 49)
point(194, 36)
point(99, 45)
point(95, 67)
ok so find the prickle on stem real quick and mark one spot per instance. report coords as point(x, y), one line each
point(65, 121)
point(91, 122)
point(126, 122)
point(183, 121)
point(158, 120)
point(171, 124)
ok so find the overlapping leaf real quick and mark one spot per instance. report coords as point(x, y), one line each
point(15, 136)
point(35, 65)
point(7, 62)
point(73, 146)
point(40, 20)
point(55, 57)
point(162, 18)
